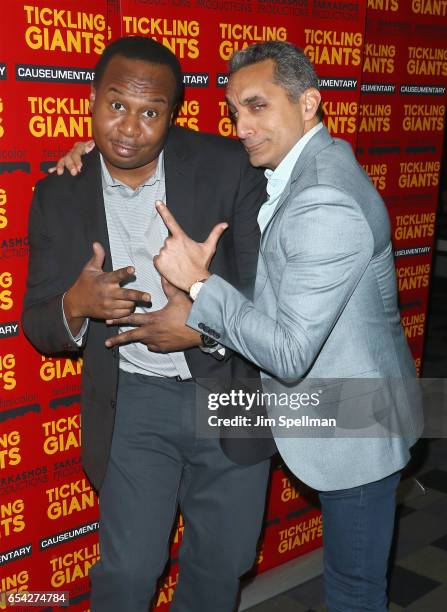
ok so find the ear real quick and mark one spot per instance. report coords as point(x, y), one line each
point(311, 101)
point(92, 98)
point(174, 113)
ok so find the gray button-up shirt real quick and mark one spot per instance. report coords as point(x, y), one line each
point(136, 233)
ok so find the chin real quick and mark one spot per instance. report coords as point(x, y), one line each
point(256, 161)
point(126, 163)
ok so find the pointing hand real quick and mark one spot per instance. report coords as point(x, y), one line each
point(99, 294)
point(181, 260)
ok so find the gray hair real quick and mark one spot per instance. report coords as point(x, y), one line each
point(293, 70)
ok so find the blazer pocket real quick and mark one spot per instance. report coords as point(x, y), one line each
point(351, 388)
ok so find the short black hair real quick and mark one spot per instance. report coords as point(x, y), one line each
point(142, 48)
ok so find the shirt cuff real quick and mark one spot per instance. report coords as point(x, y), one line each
point(217, 351)
point(79, 338)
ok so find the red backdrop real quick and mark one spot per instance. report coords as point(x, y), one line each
point(383, 72)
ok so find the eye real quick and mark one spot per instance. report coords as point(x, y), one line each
point(151, 114)
point(257, 107)
point(117, 106)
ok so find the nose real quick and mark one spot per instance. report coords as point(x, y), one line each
point(244, 126)
point(129, 125)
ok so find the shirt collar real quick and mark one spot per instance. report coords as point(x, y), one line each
point(158, 175)
point(277, 178)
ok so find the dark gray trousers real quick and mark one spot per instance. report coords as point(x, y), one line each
point(156, 465)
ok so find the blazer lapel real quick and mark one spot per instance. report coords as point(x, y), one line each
point(318, 142)
point(180, 182)
point(282, 199)
point(90, 197)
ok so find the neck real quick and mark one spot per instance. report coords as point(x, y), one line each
point(308, 125)
point(132, 177)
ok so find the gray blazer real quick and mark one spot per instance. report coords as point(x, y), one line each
point(325, 307)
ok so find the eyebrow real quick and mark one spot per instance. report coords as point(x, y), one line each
point(250, 100)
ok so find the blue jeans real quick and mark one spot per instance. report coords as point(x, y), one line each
point(358, 526)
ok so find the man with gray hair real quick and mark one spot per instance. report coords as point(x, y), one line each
point(326, 301)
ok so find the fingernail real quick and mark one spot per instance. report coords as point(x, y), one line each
point(108, 344)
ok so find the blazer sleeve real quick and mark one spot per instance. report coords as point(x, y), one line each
point(42, 317)
point(327, 246)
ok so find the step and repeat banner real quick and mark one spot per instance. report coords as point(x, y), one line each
point(400, 137)
point(383, 72)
